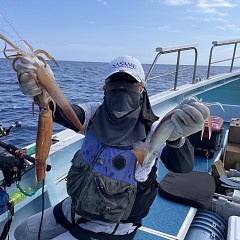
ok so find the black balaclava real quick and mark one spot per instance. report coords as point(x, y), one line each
point(126, 115)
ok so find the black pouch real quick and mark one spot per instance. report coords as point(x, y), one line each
point(194, 189)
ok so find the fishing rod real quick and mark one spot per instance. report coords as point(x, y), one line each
point(19, 154)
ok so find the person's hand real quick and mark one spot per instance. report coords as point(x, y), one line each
point(27, 77)
point(188, 118)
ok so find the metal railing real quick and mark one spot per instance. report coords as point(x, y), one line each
point(178, 49)
point(223, 43)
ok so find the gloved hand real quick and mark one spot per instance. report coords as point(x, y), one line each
point(188, 118)
point(27, 77)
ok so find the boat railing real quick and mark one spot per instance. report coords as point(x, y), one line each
point(233, 42)
point(179, 49)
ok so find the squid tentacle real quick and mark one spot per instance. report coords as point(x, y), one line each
point(40, 51)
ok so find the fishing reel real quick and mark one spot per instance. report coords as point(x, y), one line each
point(10, 169)
point(5, 131)
point(11, 162)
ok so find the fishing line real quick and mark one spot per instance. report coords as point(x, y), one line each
point(11, 26)
point(14, 30)
point(41, 221)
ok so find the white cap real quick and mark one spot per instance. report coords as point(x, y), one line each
point(126, 64)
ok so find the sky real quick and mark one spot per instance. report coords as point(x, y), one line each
point(101, 30)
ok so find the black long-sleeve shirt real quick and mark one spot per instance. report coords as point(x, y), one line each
point(175, 159)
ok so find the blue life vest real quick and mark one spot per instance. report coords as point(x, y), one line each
point(115, 163)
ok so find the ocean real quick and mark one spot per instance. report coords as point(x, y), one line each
point(80, 82)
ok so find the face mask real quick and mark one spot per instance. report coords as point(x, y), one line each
point(121, 102)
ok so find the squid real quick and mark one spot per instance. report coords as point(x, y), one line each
point(165, 128)
point(51, 92)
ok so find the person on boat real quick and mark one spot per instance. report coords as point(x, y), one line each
point(110, 191)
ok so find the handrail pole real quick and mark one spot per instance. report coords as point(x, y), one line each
point(233, 57)
point(195, 66)
point(210, 61)
point(152, 66)
point(177, 68)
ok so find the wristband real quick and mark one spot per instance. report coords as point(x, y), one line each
point(176, 144)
